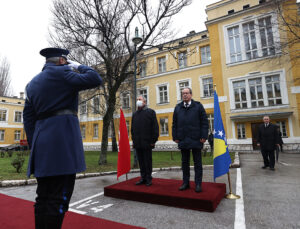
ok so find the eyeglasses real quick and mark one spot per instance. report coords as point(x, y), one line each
point(185, 93)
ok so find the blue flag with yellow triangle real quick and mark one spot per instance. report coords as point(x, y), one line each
point(222, 158)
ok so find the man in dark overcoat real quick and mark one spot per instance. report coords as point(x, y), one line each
point(53, 133)
point(144, 133)
point(268, 139)
point(190, 130)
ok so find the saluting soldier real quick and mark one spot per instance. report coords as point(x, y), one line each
point(53, 133)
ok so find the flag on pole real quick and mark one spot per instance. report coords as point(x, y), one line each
point(124, 148)
point(222, 158)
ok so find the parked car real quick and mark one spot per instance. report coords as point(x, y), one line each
point(14, 147)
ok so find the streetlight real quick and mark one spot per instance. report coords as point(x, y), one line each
point(136, 40)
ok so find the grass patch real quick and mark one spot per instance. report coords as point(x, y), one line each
point(159, 159)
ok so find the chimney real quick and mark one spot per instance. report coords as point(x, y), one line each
point(21, 95)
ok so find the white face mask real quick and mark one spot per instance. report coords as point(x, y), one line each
point(139, 103)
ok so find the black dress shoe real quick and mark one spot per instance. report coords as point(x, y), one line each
point(148, 183)
point(264, 167)
point(198, 188)
point(140, 182)
point(184, 187)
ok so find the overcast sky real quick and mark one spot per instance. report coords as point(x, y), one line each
point(24, 32)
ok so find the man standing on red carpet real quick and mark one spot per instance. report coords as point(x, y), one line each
point(144, 133)
point(53, 133)
point(190, 130)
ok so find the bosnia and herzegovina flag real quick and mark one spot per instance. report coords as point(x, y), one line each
point(222, 158)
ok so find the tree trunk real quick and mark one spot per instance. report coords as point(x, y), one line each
point(106, 120)
point(114, 144)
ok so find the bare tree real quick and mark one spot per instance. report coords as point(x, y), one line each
point(4, 77)
point(101, 30)
point(288, 12)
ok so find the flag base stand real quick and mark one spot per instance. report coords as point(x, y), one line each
point(232, 196)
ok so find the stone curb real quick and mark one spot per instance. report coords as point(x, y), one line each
point(236, 163)
point(11, 183)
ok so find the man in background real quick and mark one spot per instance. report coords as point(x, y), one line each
point(53, 133)
point(190, 129)
point(268, 139)
point(144, 133)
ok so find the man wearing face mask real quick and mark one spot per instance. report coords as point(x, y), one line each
point(144, 133)
point(189, 130)
point(53, 133)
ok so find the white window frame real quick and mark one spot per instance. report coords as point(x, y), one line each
point(178, 89)
point(17, 135)
point(210, 119)
point(83, 131)
point(95, 131)
point(6, 114)
point(280, 125)
point(83, 108)
point(2, 135)
point(245, 20)
point(206, 54)
point(164, 131)
point(128, 127)
point(110, 132)
point(21, 118)
point(256, 92)
point(251, 50)
point(96, 107)
point(158, 95)
point(162, 67)
point(283, 90)
point(143, 69)
point(242, 129)
point(182, 59)
point(122, 100)
point(147, 94)
point(201, 78)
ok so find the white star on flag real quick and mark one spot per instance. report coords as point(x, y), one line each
point(220, 133)
point(214, 132)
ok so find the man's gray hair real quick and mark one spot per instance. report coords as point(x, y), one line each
point(143, 98)
point(54, 60)
point(190, 89)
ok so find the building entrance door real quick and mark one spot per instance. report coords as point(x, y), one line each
point(254, 130)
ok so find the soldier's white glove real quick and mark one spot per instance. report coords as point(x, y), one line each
point(73, 64)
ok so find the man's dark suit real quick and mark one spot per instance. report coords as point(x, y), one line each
point(144, 132)
point(268, 138)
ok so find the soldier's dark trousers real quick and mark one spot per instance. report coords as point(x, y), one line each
point(145, 163)
point(269, 158)
point(52, 201)
point(185, 163)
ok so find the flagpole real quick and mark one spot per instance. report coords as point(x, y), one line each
point(230, 195)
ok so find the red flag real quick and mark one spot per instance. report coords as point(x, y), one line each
point(124, 148)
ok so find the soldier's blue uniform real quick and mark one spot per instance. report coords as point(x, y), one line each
point(53, 132)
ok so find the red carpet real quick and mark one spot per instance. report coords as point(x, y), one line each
point(165, 192)
point(16, 213)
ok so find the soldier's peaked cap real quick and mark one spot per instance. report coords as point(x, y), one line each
point(54, 52)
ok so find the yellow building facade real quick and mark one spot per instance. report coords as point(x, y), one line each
point(241, 53)
point(11, 120)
